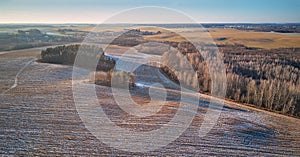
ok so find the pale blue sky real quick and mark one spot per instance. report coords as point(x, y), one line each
point(96, 11)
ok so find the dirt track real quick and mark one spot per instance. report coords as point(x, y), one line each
point(38, 118)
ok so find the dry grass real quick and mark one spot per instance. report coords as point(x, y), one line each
point(22, 53)
point(100, 76)
point(232, 36)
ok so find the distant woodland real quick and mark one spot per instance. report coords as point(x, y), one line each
point(35, 38)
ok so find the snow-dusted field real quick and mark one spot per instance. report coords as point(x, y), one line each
point(38, 118)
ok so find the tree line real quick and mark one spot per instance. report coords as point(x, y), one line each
point(67, 54)
point(104, 71)
point(268, 79)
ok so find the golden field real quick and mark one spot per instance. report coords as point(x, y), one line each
point(221, 36)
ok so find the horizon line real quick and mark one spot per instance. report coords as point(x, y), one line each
point(91, 23)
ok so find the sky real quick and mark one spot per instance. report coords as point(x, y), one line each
point(97, 11)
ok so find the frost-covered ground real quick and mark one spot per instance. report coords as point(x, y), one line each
point(38, 118)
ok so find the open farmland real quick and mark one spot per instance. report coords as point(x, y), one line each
point(39, 118)
point(222, 36)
